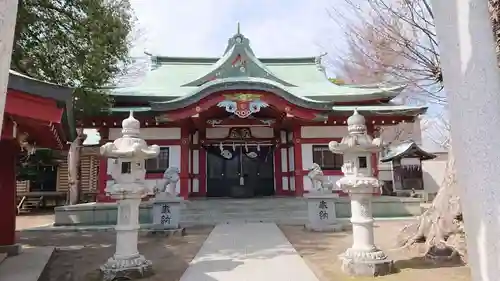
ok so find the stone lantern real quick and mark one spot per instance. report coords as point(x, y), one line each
point(128, 170)
point(363, 257)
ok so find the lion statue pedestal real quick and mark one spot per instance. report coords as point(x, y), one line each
point(321, 203)
point(321, 213)
point(167, 205)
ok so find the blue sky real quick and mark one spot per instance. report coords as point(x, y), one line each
point(201, 28)
point(276, 28)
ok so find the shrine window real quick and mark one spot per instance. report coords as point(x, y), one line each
point(326, 159)
point(160, 163)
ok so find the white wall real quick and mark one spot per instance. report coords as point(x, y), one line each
point(433, 172)
point(323, 131)
point(150, 133)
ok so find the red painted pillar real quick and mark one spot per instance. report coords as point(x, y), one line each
point(202, 166)
point(374, 163)
point(8, 208)
point(277, 168)
point(103, 170)
point(103, 179)
point(184, 175)
point(297, 158)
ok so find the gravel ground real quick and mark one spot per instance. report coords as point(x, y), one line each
point(79, 254)
point(320, 251)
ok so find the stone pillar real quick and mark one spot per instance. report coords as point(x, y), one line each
point(126, 229)
point(8, 150)
point(8, 13)
point(362, 222)
point(472, 85)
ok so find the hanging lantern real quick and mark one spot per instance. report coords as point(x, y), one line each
point(258, 146)
point(246, 147)
point(221, 147)
point(234, 146)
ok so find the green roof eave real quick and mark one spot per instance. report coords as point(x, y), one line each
point(387, 109)
point(240, 83)
point(405, 149)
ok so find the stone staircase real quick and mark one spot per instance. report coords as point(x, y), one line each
point(213, 211)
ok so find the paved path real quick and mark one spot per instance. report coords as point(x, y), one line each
point(28, 266)
point(253, 251)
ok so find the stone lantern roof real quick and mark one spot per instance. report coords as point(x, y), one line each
point(357, 139)
point(130, 145)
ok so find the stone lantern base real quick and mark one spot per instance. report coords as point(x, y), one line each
point(370, 263)
point(128, 269)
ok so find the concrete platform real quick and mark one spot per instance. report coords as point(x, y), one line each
point(287, 211)
point(28, 266)
point(253, 251)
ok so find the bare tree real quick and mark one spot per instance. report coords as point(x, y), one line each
point(396, 41)
point(393, 40)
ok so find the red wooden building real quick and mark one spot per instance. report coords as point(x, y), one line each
point(38, 113)
point(240, 125)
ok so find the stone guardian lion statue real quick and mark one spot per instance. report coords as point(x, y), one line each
point(171, 177)
point(319, 181)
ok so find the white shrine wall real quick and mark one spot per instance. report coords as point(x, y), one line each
point(174, 152)
point(434, 171)
point(150, 133)
point(328, 132)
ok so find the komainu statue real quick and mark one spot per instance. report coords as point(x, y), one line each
point(320, 183)
point(171, 177)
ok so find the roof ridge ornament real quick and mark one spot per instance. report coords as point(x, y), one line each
point(318, 61)
point(238, 28)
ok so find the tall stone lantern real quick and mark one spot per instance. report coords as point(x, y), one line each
point(363, 258)
point(128, 170)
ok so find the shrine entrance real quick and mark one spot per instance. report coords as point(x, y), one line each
point(240, 171)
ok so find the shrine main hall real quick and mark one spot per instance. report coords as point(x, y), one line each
point(244, 126)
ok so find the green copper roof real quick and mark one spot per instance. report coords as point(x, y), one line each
point(406, 149)
point(303, 77)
